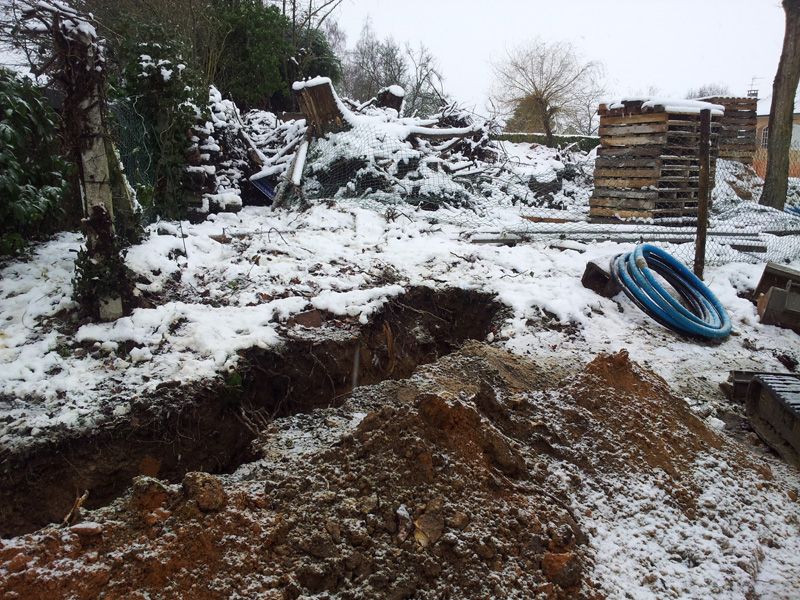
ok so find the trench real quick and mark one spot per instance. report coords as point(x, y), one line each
point(211, 427)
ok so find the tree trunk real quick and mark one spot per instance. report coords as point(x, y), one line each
point(94, 158)
point(784, 90)
point(547, 123)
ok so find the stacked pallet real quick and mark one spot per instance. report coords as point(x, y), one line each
point(648, 163)
point(737, 136)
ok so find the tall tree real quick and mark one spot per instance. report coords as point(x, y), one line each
point(374, 64)
point(784, 90)
point(74, 57)
point(552, 77)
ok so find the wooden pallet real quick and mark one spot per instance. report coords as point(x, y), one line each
point(773, 407)
point(647, 163)
point(737, 128)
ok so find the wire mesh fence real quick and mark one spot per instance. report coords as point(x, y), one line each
point(507, 192)
point(133, 138)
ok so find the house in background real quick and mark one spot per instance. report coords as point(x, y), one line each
point(762, 133)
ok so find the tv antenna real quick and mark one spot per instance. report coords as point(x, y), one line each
point(752, 91)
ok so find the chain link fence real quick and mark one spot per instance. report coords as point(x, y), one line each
point(133, 137)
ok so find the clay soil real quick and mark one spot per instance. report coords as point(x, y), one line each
point(441, 485)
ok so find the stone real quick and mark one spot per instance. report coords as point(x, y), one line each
point(562, 568)
point(459, 520)
point(429, 528)
point(110, 308)
point(87, 529)
point(205, 490)
point(310, 318)
point(18, 563)
point(148, 493)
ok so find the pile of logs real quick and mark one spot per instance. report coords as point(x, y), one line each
point(648, 162)
point(737, 135)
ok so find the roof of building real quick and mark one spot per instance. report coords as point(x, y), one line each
point(765, 103)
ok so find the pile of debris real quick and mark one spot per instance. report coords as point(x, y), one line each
point(347, 150)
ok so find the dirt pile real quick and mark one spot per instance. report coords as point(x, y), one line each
point(446, 484)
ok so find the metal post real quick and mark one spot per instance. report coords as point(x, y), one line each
point(702, 203)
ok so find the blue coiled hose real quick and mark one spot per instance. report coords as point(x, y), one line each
point(703, 316)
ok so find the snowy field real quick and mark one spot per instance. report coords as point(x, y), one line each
point(234, 294)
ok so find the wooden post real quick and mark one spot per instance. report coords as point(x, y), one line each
point(705, 188)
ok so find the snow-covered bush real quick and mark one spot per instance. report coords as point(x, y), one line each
point(33, 175)
point(160, 88)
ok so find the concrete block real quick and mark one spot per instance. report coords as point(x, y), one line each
point(781, 307)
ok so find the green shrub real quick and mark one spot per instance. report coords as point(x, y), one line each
point(262, 56)
point(33, 177)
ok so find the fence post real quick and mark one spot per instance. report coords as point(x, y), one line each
point(704, 187)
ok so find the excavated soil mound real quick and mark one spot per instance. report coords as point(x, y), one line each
point(443, 485)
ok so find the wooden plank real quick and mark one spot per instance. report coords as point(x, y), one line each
point(617, 130)
point(738, 121)
point(680, 117)
point(682, 168)
point(633, 140)
point(604, 202)
point(633, 119)
point(611, 182)
point(602, 162)
point(620, 213)
point(682, 134)
point(678, 178)
point(739, 142)
point(618, 193)
point(617, 172)
point(682, 123)
point(630, 151)
point(736, 155)
point(670, 158)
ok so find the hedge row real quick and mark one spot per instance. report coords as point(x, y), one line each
point(584, 142)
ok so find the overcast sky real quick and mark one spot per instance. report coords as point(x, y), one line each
point(673, 45)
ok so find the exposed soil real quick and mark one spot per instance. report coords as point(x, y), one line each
point(210, 426)
point(447, 484)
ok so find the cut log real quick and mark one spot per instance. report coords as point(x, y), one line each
point(321, 107)
point(392, 97)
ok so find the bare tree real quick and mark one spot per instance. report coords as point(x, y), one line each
point(425, 86)
point(551, 76)
point(374, 64)
point(337, 38)
point(580, 115)
point(784, 90)
point(708, 90)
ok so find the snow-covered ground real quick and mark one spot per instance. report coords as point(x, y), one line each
point(233, 294)
point(232, 283)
